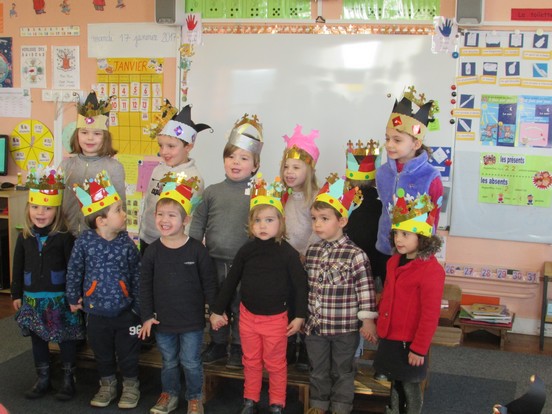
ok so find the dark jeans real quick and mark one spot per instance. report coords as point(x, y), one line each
point(41, 352)
point(232, 329)
point(117, 335)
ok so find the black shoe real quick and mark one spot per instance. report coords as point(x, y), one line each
point(235, 357)
point(213, 353)
point(302, 363)
point(380, 377)
point(67, 389)
point(276, 408)
point(248, 407)
point(42, 385)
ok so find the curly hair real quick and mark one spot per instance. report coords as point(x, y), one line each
point(427, 246)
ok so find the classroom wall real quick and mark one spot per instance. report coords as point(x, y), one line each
point(459, 249)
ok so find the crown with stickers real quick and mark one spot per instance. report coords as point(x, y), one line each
point(403, 118)
point(96, 193)
point(93, 113)
point(45, 186)
point(416, 215)
point(335, 193)
point(267, 194)
point(361, 160)
point(247, 134)
point(182, 189)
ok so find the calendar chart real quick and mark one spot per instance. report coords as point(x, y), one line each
point(135, 86)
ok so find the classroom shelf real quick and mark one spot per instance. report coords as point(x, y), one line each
point(544, 319)
point(14, 202)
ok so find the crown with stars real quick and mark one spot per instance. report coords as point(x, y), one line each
point(335, 193)
point(404, 120)
point(416, 215)
point(361, 160)
point(166, 113)
point(96, 193)
point(45, 186)
point(302, 147)
point(182, 189)
point(182, 127)
point(268, 194)
point(93, 113)
point(246, 140)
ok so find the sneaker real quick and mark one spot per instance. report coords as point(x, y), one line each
point(195, 407)
point(302, 363)
point(106, 393)
point(380, 377)
point(165, 404)
point(235, 357)
point(276, 409)
point(131, 393)
point(316, 410)
point(213, 353)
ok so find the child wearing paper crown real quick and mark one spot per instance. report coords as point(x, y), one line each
point(265, 266)
point(298, 171)
point(176, 134)
point(178, 279)
point(339, 278)
point(92, 146)
point(103, 279)
point(40, 262)
point(222, 219)
point(411, 301)
point(407, 165)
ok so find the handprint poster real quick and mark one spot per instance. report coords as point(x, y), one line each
point(444, 39)
point(191, 31)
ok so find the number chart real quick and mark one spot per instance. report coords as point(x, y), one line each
point(135, 86)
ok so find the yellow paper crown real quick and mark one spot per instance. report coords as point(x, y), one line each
point(167, 112)
point(335, 193)
point(96, 193)
point(361, 160)
point(92, 114)
point(45, 187)
point(181, 189)
point(271, 194)
point(413, 215)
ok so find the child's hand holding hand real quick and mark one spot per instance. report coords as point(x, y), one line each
point(368, 330)
point(17, 304)
point(295, 326)
point(145, 330)
point(76, 307)
point(218, 321)
point(415, 360)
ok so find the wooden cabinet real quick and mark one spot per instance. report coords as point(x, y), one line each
point(12, 218)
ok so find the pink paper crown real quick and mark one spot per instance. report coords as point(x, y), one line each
point(302, 147)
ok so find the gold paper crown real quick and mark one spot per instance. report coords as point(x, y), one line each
point(337, 194)
point(92, 114)
point(167, 112)
point(45, 187)
point(420, 100)
point(240, 140)
point(361, 160)
point(181, 189)
point(96, 193)
point(413, 215)
point(371, 148)
point(270, 195)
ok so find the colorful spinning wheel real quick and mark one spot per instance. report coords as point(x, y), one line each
point(31, 144)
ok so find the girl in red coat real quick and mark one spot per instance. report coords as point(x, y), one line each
point(411, 302)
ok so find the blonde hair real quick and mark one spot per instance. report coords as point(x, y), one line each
point(58, 224)
point(310, 186)
point(105, 150)
point(254, 212)
point(229, 149)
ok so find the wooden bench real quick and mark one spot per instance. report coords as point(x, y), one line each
point(497, 329)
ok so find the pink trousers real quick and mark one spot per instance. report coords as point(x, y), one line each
point(264, 342)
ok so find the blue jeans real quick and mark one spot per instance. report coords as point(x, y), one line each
point(185, 349)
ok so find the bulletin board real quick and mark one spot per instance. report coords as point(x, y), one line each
point(502, 186)
point(342, 85)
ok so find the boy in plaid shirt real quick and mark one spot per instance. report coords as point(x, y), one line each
point(341, 300)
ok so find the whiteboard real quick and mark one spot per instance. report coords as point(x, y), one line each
point(342, 85)
point(469, 217)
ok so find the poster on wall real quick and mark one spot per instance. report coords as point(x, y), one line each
point(6, 74)
point(534, 121)
point(515, 179)
point(33, 66)
point(66, 67)
point(135, 86)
